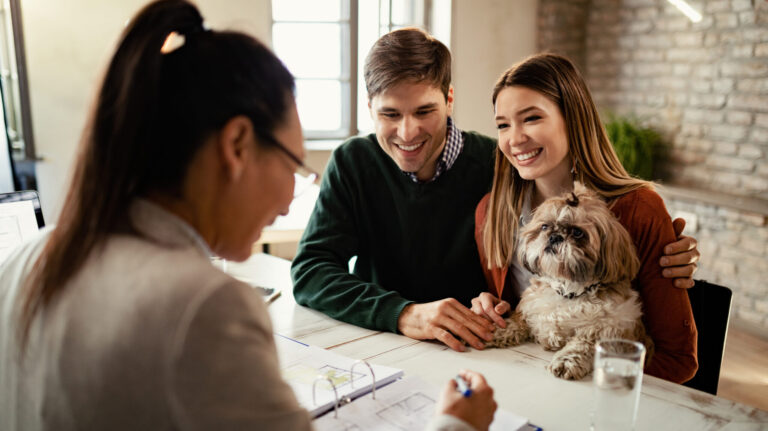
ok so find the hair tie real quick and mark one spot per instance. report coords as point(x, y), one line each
point(177, 39)
point(173, 41)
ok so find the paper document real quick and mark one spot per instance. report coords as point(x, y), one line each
point(17, 224)
point(405, 405)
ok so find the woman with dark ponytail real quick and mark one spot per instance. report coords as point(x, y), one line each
point(116, 319)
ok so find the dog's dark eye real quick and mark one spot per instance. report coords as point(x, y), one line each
point(544, 227)
point(577, 233)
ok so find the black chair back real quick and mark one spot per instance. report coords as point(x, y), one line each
point(711, 306)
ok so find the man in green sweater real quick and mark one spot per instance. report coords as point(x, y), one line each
point(402, 200)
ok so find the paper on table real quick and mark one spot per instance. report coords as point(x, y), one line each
point(17, 224)
point(405, 405)
point(300, 364)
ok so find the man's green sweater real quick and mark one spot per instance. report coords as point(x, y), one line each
point(413, 242)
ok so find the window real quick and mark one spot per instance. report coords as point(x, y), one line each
point(324, 44)
point(13, 80)
point(313, 38)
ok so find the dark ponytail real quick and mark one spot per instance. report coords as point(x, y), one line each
point(153, 113)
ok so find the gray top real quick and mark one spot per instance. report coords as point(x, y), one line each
point(147, 335)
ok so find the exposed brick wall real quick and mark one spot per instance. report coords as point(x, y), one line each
point(734, 253)
point(705, 87)
point(562, 28)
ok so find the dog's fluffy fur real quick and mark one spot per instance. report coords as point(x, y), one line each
point(583, 261)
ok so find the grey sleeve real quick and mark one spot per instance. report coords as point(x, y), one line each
point(224, 372)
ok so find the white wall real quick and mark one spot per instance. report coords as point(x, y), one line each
point(487, 37)
point(68, 45)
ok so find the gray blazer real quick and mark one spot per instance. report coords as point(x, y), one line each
point(147, 335)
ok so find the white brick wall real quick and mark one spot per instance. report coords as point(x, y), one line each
point(734, 253)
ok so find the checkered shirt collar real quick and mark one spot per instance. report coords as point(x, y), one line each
point(454, 143)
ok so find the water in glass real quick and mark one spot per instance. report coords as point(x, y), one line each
point(617, 385)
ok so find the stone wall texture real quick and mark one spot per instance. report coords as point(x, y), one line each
point(734, 253)
point(562, 28)
point(704, 86)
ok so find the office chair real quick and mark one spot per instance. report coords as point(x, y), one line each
point(711, 306)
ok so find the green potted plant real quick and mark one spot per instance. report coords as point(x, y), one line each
point(638, 147)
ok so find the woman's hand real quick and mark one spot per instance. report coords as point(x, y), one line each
point(491, 307)
point(476, 409)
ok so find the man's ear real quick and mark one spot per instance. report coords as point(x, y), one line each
point(449, 100)
point(370, 110)
point(235, 143)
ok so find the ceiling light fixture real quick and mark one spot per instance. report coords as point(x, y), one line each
point(686, 9)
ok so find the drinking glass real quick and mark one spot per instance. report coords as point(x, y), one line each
point(617, 379)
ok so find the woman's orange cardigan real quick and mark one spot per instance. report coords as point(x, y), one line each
point(667, 312)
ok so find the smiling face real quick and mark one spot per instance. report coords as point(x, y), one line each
point(532, 135)
point(411, 121)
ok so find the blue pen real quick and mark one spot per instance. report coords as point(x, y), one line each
point(462, 386)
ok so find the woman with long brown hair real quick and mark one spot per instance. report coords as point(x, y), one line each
point(116, 319)
point(550, 135)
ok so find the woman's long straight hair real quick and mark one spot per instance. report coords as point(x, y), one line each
point(155, 108)
point(594, 160)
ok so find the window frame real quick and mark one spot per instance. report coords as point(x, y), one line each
point(348, 78)
point(353, 100)
point(16, 87)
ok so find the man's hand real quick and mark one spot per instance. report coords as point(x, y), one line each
point(477, 409)
point(445, 320)
point(491, 307)
point(680, 257)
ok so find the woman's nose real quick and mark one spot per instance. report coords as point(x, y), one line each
point(517, 136)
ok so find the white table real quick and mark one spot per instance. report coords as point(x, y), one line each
point(518, 375)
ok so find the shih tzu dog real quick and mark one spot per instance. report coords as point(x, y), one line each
point(583, 261)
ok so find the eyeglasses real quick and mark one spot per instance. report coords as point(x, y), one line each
point(304, 175)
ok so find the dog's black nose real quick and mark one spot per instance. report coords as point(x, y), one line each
point(555, 238)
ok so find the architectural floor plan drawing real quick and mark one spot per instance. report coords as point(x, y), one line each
point(407, 404)
point(411, 412)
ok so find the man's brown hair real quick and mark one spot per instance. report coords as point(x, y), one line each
point(407, 55)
